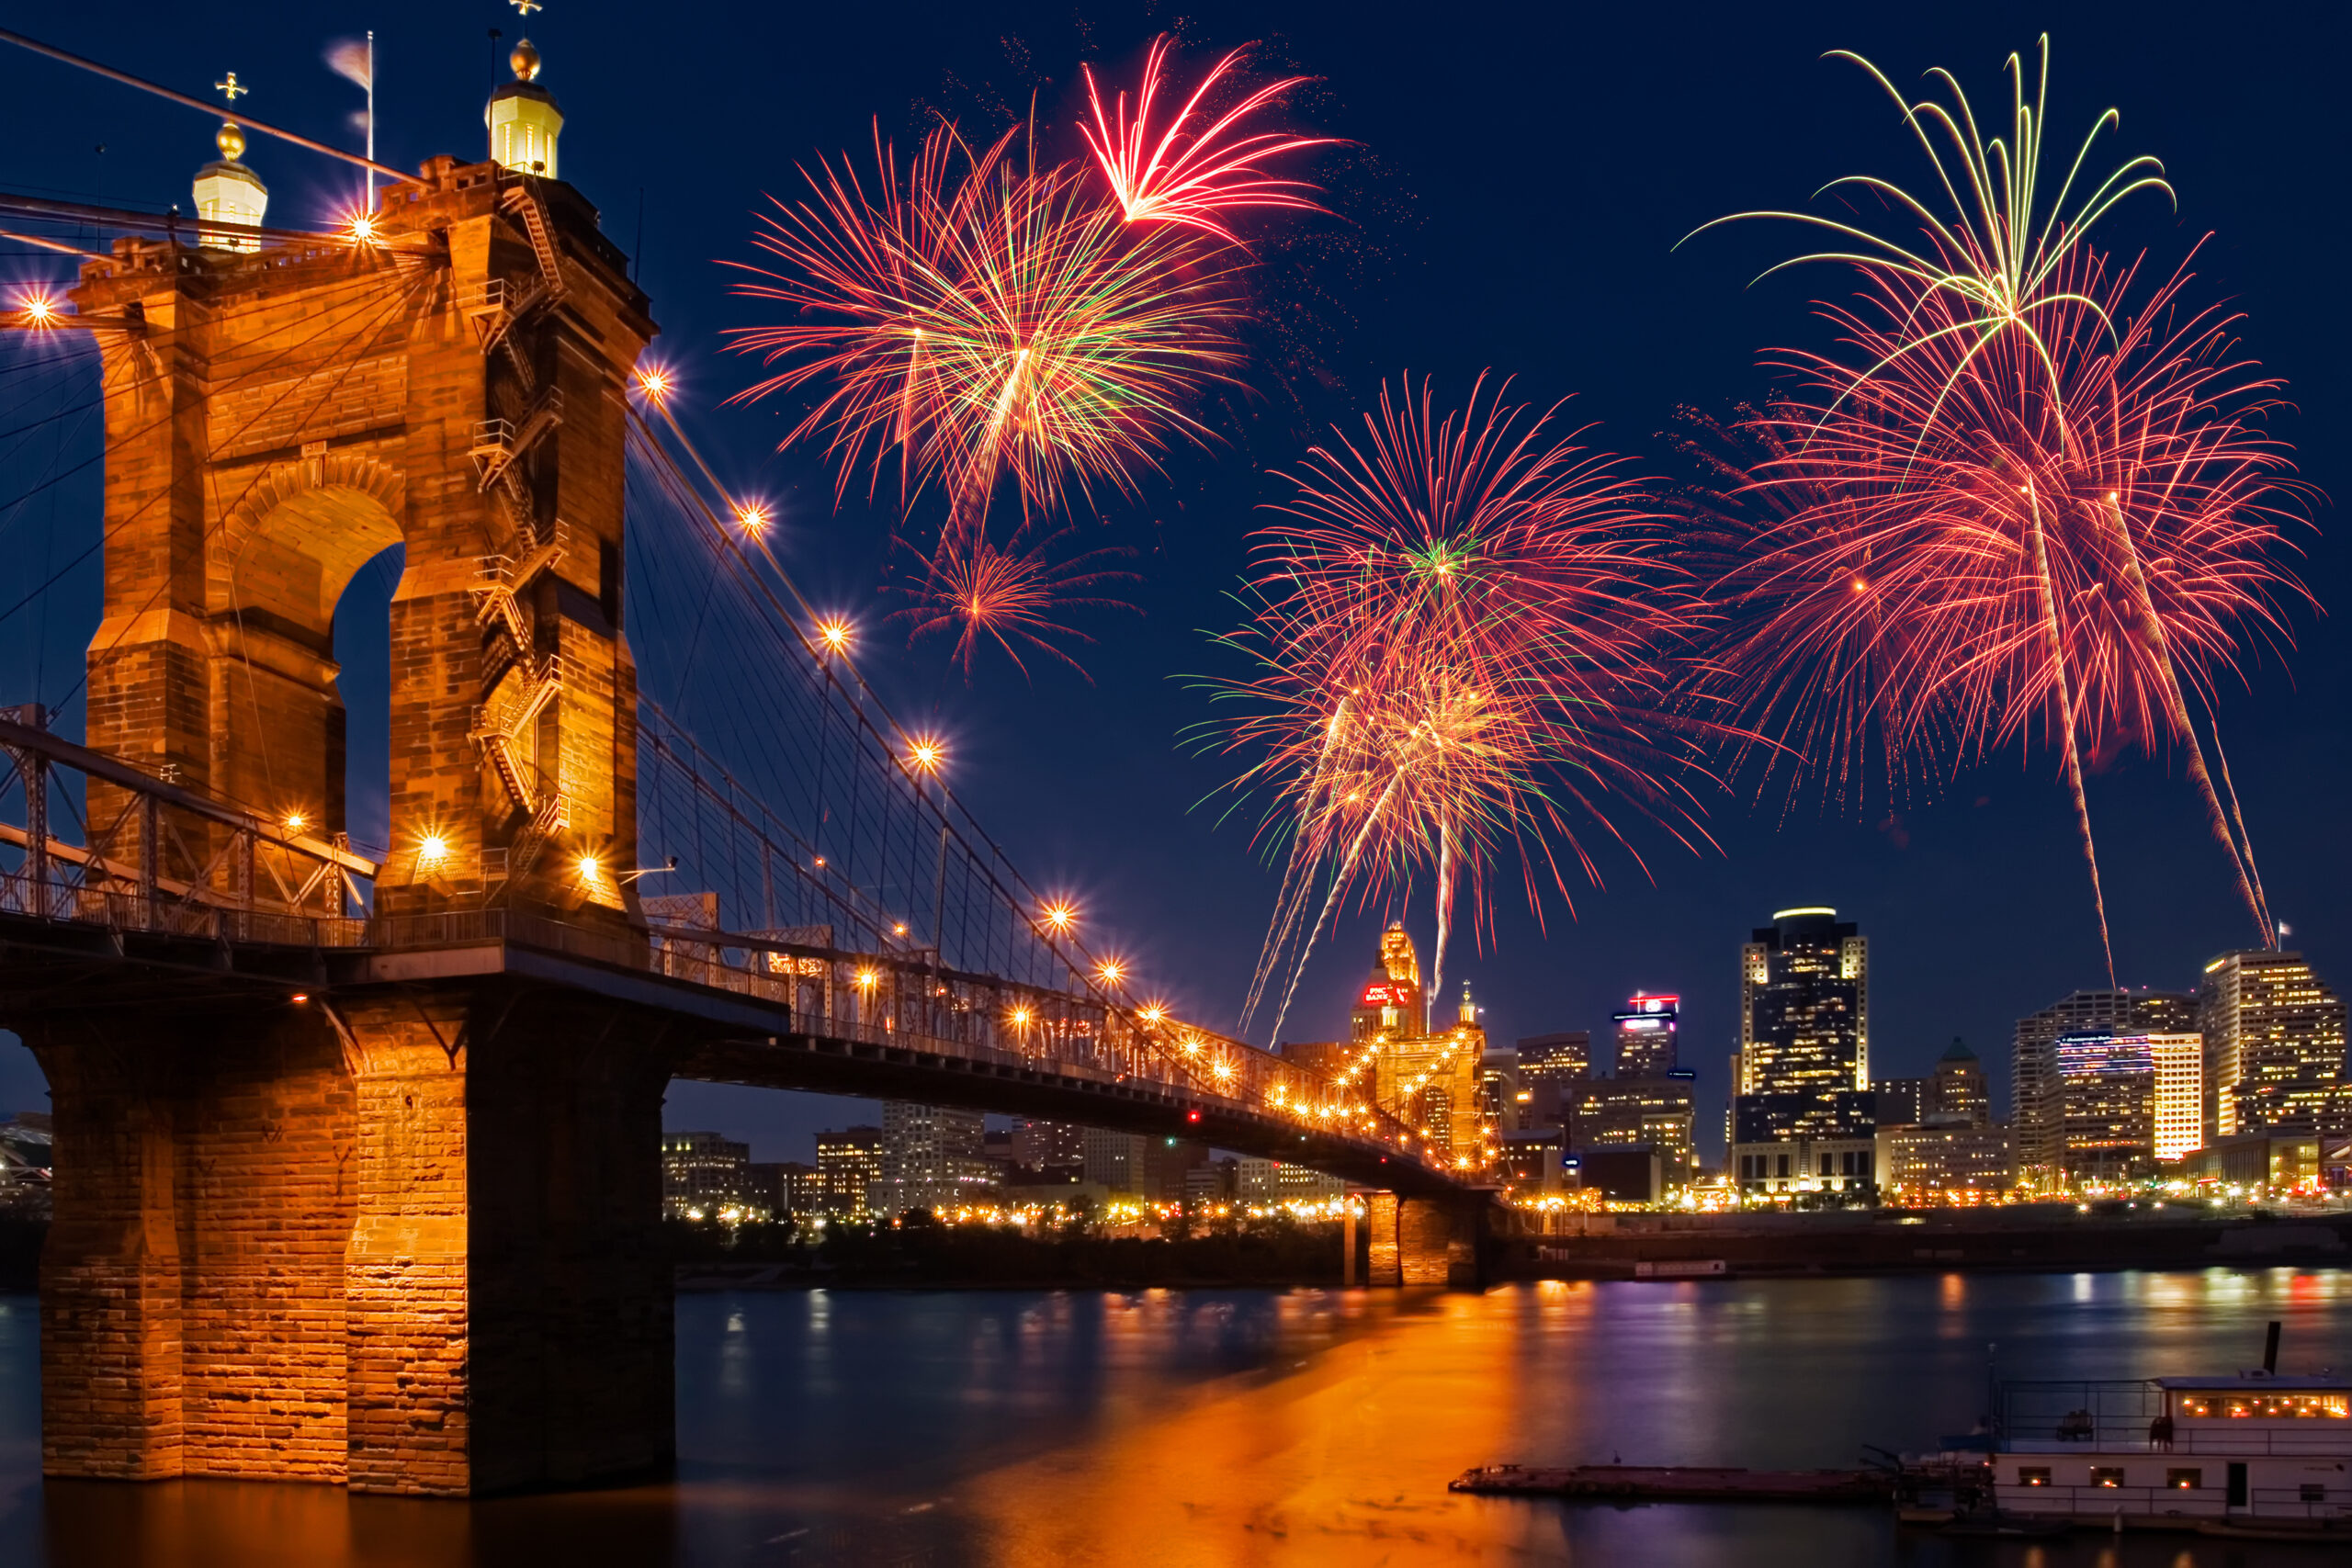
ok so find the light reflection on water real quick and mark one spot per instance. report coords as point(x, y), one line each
point(1260, 1427)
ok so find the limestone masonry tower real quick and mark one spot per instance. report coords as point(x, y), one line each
point(395, 1223)
point(454, 386)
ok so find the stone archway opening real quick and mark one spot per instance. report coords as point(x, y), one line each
point(275, 585)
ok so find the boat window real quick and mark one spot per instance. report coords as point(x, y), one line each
point(2329, 1405)
point(2106, 1475)
point(2184, 1480)
point(2033, 1476)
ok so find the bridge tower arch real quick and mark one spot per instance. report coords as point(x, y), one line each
point(401, 1235)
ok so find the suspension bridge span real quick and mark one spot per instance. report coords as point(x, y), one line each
point(358, 1147)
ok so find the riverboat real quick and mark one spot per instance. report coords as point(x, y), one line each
point(2256, 1452)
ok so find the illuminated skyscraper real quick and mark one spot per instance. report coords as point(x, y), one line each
point(2038, 1113)
point(1804, 1118)
point(2274, 1041)
point(848, 1165)
point(1646, 1036)
point(1391, 998)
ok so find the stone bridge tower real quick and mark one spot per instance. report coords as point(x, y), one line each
point(401, 1235)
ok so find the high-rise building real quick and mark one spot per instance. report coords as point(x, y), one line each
point(2038, 1108)
point(1133, 1164)
point(1646, 1036)
point(703, 1176)
point(785, 1187)
point(1957, 1088)
point(1804, 1006)
point(1426, 1078)
point(1954, 1161)
point(1048, 1145)
point(1391, 1001)
point(1656, 1112)
point(2274, 1041)
point(848, 1165)
point(931, 1158)
point(1549, 1066)
point(1803, 1064)
point(1902, 1102)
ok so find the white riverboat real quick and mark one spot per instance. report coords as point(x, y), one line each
point(2260, 1450)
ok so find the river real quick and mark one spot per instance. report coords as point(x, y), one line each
point(1267, 1428)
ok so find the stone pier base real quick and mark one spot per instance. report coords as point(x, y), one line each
point(1425, 1241)
point(409, 1244)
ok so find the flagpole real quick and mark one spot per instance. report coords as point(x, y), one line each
point(371, 119)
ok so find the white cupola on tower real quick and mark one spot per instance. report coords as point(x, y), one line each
point(230, 197)
point(523, 117)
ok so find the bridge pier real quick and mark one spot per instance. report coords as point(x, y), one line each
point(1426, 1241)
point(409, 1244)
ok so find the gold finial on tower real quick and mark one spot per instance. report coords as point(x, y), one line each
point(525, 62)
point(230, 197)
point(231, 140)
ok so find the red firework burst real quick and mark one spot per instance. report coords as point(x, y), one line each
point(1460, 628)
point(1016, 599)
point(1201, 166)
point(2064, 538)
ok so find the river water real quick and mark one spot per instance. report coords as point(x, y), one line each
point(1266, 1428)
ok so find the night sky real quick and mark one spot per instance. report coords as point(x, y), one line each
point(1523, 176)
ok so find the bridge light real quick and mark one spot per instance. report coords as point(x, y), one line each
point(38, 309)
point(866, 979)
point(835, 633)
point(432, 849)
point(654, 381)
point(590, 868)
point(752, 515)
point(1060, 916)
point(1152, 1012)
point(1110, 972)
point(361, 227)
point(1021, 1018)
point(898, 929)
point(926, 754)
point(295, 822)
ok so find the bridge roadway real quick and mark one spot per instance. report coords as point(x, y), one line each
point(722, 1003)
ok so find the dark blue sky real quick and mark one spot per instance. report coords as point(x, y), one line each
point(1534, 166)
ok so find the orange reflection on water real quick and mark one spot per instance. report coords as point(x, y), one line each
point(1341, 1453)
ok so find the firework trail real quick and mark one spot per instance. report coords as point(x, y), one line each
point(1458, 627)
point(2062, 537)
point(1198, 168)
point(1987, 264)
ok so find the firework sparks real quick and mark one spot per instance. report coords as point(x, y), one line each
point(979, 320)
point(1459, 628)
point(2062, 539)
point(1989, 264)
point(980, 594)
point(1198, 168)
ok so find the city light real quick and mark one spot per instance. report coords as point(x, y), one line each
point(1151, 1012)
point(867, 979)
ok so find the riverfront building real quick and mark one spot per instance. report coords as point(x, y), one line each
point(848, 1165)
point(1951, 1161)
point(931, 1157)
point(2274, 1041)
point(2130, 1101)
point(1646, 1046)
point(1804, 1120)
point(706, 1176)
point(2038, 1114)
point(1654, 1112)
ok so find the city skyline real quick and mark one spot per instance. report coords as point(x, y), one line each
point(1188, 898)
